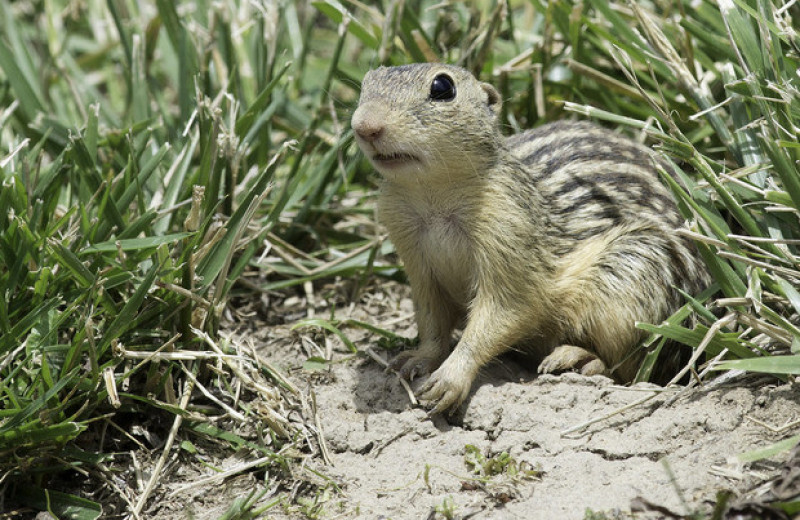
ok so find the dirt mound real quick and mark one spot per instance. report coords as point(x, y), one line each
point(522, 446)
point(395, 462)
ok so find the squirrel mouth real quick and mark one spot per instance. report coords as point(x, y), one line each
point(393, 160)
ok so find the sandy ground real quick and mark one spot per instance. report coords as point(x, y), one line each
point(382, 448)
point(390, 460)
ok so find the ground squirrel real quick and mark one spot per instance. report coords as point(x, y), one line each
point(556, 240)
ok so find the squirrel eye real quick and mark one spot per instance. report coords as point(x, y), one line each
point(443, 88)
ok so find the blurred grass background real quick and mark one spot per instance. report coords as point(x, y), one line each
point(159, 158)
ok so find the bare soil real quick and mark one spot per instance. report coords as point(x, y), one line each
point(387, 459)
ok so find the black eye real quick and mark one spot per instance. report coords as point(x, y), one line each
point(443, 88)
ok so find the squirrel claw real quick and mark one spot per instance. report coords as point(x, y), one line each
point(444, 393)
point(411, 364)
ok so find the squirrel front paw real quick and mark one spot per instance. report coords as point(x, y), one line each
point(446, 388)
point(413, 363)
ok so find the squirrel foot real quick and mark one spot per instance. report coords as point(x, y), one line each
point(446, 388)
point(413, 363)
point(570, 357)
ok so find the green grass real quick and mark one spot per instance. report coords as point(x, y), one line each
point(148, 152)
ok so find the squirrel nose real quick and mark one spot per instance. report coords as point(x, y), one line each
point(369, 129)
point(369, 122)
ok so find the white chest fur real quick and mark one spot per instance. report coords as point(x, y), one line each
point(446, 250)
point(433, 242)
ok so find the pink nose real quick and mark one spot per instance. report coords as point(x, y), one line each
point(369, 129)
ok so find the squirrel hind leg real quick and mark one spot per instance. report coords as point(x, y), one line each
point(570, 357)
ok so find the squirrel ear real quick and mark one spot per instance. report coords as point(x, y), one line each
point(492, 98)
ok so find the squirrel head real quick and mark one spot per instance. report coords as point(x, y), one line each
point(427, 119)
